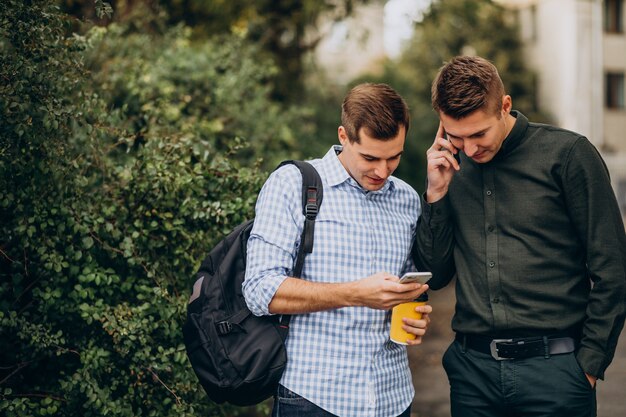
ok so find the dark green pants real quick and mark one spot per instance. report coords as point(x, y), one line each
point(531, 387)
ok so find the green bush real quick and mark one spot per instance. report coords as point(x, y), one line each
point(123, 158)
point(214, 91)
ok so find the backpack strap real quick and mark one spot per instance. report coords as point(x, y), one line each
point(312, 195)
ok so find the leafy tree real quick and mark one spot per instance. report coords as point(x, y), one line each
point(284, 30)
point(217, 92)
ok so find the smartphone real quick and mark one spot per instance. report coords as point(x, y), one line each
point(421, 277)
point(456, 155)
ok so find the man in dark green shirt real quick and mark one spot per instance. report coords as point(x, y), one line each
point(525, 216)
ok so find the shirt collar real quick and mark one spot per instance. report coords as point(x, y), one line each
point(336, 174)
point(515, 136)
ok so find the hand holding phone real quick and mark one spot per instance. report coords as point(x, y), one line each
point(421, 277)
point(441, 165)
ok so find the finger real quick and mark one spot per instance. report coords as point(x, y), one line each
point(440, 144)
point(442, 159)
point(439, 162)
point(392, 278)
point(419, 334)
point(408, 287)
point(438, 135)
point(415, 293)
point(440, 130)
point(414, 326)
point(423, 288)
point(425, 309)
point(414, 342)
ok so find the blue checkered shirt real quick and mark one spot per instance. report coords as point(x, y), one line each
point(341, 360)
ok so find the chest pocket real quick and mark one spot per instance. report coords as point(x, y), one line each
point(341, 242)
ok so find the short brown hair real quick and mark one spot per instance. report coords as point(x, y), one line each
point(466, 84)
point(377, 108)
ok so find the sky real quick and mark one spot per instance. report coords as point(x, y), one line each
point(399, 18)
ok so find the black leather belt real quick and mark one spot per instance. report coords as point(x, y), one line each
point(507, 349)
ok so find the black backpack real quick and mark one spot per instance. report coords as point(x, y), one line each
point(237, 356)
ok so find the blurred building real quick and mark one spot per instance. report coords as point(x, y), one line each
point(578, 50)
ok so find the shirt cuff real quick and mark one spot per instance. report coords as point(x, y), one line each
point(437, 212)
point(591, 362)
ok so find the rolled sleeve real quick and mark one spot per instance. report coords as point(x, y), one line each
point(274, 238)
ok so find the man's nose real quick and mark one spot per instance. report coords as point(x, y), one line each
point(382, 169)
point(470, 150)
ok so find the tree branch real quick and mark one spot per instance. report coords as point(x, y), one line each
point(6, 256)
point(178, 401)
point(20, 366)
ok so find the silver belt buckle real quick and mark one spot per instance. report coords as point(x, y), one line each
point(494, 350)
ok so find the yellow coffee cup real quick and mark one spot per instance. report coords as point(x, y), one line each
point(397, 333)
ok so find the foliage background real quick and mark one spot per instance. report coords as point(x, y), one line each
point(130, 143)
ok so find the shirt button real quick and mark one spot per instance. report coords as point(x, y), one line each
point(490, 228)
point(489, 192)
point(492, 264)
point(496, 300)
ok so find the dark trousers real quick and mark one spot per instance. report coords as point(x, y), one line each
point(531, 387)
point(289, 404)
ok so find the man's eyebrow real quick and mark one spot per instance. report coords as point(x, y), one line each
point(480, 132)
point(364, 155)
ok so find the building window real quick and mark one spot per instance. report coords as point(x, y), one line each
point(615, 90)
point(613, 16)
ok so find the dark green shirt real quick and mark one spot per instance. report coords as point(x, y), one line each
point(537, 243)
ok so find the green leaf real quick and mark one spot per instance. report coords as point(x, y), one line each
point(87, 242)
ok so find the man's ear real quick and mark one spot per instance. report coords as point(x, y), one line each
point(343, 136)
point(507, 104)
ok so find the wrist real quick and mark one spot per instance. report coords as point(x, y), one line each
point(350, 292)
point(432, 196)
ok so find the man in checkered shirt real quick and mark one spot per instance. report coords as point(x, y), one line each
point(340, 359)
